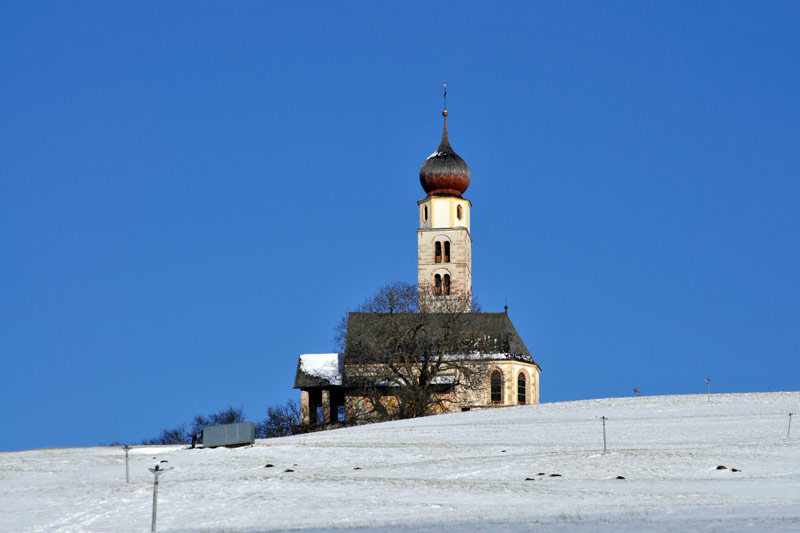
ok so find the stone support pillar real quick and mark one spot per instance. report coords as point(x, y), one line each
point(326, 407)
point(304, 408)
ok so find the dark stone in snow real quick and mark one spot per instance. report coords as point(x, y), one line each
point(268, 465)
point(735, 470)
point(555, 475)
point(288, 470)
point(530, 479)
point(357, 468)
point(541, 474)
point(721, 467)
point(620, 477)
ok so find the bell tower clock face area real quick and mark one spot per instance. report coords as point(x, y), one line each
point(444, 243)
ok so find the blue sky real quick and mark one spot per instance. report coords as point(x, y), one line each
point(192, 194)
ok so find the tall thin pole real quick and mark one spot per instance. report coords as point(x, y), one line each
point(127, 470)
point(788, 431)
point(157, 471)
point(155, 503)
point(708, 389)
point(604, 434)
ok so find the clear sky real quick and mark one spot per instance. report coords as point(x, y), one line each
point(192, 194)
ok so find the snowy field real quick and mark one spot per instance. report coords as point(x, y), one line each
point(523, 468)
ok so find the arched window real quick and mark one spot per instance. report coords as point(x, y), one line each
point(437, 285)
point(425, 214)
point(459, 212)
point(437, 258)
point(497, 387)
point(521, 388)
point(446, 251)
point(446, 284)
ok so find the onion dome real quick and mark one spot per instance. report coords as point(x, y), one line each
point(444, 173)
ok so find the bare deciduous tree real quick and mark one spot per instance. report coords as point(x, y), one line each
point(179, 435)
point(409, 351)
point(176, 435)
point(229, 415)
point(281, 420)
point(395, 297)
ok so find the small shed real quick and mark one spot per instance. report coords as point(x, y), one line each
point(230, 435)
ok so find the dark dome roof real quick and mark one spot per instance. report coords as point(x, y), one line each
point(444, 173)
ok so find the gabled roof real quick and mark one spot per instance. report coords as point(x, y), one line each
point(319, 370)
point(478, 336)
point(371, 337)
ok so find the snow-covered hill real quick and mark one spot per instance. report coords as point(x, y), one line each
point(518, 468)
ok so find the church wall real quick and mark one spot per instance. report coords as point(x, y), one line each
point(481, 398)
point(441, 214)
point(359, 406)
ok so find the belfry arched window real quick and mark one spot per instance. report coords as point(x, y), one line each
point(446, 251)
point(437, 285)
point(437, 256)
point(446, 284)
point(496, 387)
point(459, 213)
point(521, 388)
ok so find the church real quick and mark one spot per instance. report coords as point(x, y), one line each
point(443, 356)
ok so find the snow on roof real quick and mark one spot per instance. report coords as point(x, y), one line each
point(478, 356)
point(326, 366)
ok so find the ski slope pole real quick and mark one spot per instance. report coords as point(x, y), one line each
point(790, 425)
point(708, 389)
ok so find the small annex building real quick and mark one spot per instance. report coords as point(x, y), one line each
point(481, 359)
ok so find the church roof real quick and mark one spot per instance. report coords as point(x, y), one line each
point(468, 336)
point(444, 173)
point(471, 337)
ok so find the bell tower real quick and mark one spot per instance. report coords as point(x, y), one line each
point(444, 244)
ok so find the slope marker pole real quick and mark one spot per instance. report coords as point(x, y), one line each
point(127, 470)
point(603, 418)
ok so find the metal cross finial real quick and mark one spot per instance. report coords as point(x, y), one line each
point(445, 96)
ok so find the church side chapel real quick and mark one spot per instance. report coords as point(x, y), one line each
point(442, 356)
